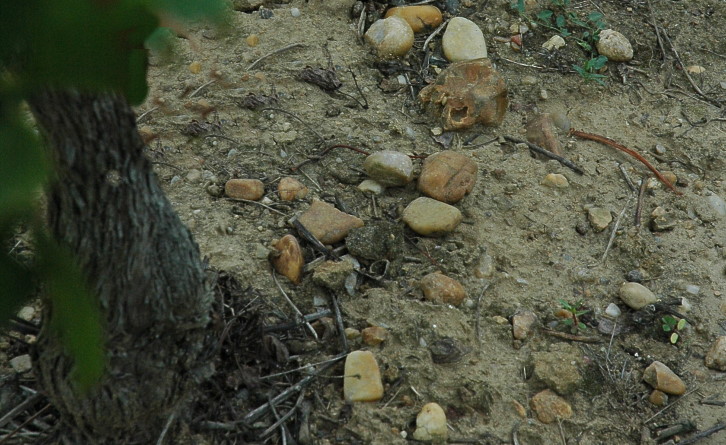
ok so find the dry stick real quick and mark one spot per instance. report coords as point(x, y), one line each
point(572, 337)
point(169, 421)
point(566, 162)
point(688, 76)
point(633, 153)
point(616, 226)
point(294, 308)
point(146, 113)
point(339, 323)
point(703, 434)
point(670, 405)
point(639, 206)
point(20, 408)
point(195, 92)
point(628, 181)
point(257, 203)
point(433, 34)
point(282, 419)
point(283, 428)
point(478, 313)
point(22, 425)
point(277, 51)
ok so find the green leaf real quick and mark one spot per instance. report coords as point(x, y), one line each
point(682, 324)
point(75, 317)
point(674, 338)
point(595, 16)
point(560, 21)
point(545, 15)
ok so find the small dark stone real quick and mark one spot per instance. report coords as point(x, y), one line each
point(266, 13)
point(446, 351)
point(634, 276)
point(377, 240)
point(582, 228)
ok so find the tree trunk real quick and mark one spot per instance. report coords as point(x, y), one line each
point(106, 205)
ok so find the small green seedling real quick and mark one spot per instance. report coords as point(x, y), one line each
point(575, 312)
point(673, 325)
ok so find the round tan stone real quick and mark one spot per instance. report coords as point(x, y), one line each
point(431, 424)
point(291, 189)
point(362, 378)
point(660, 377)
point(556, 180)
point(419, 17)
point(249, 189)
point(658, 398)
point(614, 46)
point(328, 224)
point(391, 37)
point(430, 217)
point(636, 295)
point(287, 258)
point(374, 335)
point(439, 288)
point(447, 176)
point(389, 168)
point(463, 40)
point(549, 407)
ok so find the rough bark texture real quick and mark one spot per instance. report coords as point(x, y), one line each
point(143, 266)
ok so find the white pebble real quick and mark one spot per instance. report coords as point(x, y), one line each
point(295, 12)
point(692, 289)
point(613, 310)
point(463, 40)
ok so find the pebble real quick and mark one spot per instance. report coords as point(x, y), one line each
point(431, 424)
point(391, 37)
point(658, 398)
point(26, 313)
point(252, 40)
point(389, 168)
point(195, 67)
point(463, 40)
point(662, 220)
point(333, 274)
point(614, 46)
point(523, 324)
point(468, 93)
point(21, 363)
point(541, 131)
point(362, 378)
point(555, 42)
point(291, 189)
point(716, 356)
point(287, 258)
point(351, 333)
point(612, 311)
point(374, 335)
point(194, 175)
point(599, 218)
point(371, 187)
point(549, 407)
point(695, 69)
point(660, 377)
point(430, 217)
point(439, 288)
point(250, 189)
point(636, 295)
point(295, 12)
point(447, 176)
point(635, 275)
point(718, 204)
point(328, 224)
point(557, 369)
point(529, 80)
point(556, 180)
point(419, 18)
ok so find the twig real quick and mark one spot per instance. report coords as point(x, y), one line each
point(628, 181)
point(566, 162)
point(257, 203)
point(283, 428)
point(270, 376)
point(195, 92)
point(702, 435)
point(277, 51)
point(572, 337)
point(309, 237)
point(433, 34)
point(339, 323)
point(562, 432)
point(308, 318)
point(22, 425)
point(478, 312)
point(282, 419)
point(355, 82)
point(169, 421)
point(294, 308)
point(20, 408)
point(670, 405)
point(633, 153)
point(616, 226)
point(528, 66)
point(145, 113)
point(639, 205)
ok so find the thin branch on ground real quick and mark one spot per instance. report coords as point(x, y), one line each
point(277, 51)
point(536, 148)
point(294, 308)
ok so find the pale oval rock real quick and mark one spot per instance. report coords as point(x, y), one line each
point(554, 42)
point(391, 37)
point(430, 217)
point(439, 288)
point(389, 168)
point(599, 218)
point(522, 324)
point(660, 377)
point(447, 176)
point(549, 407)
point(431, 424)
point(291, 189)
point(21, 364)
point(614, 46)
point(716, 356)
point(249, 189)
point(418, 17)
point(463, 40)
point(371, 187)
point(636, 295)
point(287, 258)
point(328, 224)
point(362, 378)
point(555, 180)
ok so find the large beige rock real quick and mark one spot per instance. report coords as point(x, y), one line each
point(447, 176)
point(328, 224)
point(431, 424)
point(389, 168)
point(660, 377)
point(391, 37)
point(463, 40)
point(614, 46)
point(636, 295)
point(430, 217)
point(418, 17)
point(362, 378)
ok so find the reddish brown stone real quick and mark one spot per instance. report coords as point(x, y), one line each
point(374, 335)
point(439, 288)
point(328, 224)
point(249, 189)
point(291, 189)
point(549, 407)
point(447, 176)
point(287, 258)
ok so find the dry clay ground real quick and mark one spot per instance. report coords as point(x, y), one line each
point(522, 245)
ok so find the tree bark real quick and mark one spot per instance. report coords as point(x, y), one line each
point(142, 264)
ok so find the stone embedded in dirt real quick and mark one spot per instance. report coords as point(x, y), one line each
point(21, 364)
point(391, 37)
point(252, 40)
point(549, 407)
point(523, 324)
point(389, 168)
point(377, 240)
point(660, 377)
point(431, 424)
point(332, 274)
point(636, 295)
point(463, 40)
point(249, 189)
point(614, 46)
point(291, 189)
point(26, 313)
point(328, 224)
point(287, 258)
point(556, 369)
point(439, 288)
point(716, 356)
point(371, 187)
point(541, 131)
point(467, 93)
point(519, 409)
point(430, 217)
point(612, 311)
point(195, 67)
point(247, 5)
point(554, 42)
point(662, 220)
point(419, 18)
point(658, 398)
point(447, 176)
point(599, 218)
point(556, 180)
point(352, 333)
point(362, 378)
point(374, 335)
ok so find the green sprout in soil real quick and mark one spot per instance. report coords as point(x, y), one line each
point(589, 69)
point(673, 325)
point(575, 311)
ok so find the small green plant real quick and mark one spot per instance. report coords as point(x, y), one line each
point(673, 325)
point(589, 69)
point(575, 311)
